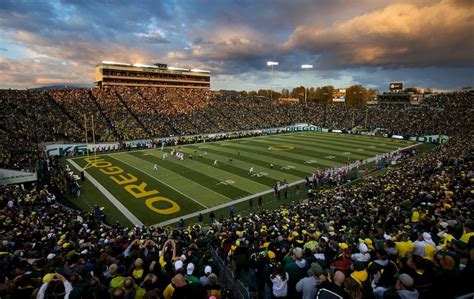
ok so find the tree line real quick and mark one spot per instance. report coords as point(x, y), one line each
point(356, 95)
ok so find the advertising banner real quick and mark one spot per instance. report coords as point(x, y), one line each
point(438, 139)
point(8, 176)
point(77, 148)
point(303, 127)
point(141, 142)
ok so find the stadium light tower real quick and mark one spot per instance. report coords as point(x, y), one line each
point(272, 64)
point(306, 67)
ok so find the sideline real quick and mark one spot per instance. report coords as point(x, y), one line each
point(118, 205)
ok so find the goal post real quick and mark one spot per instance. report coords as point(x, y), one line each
point(94, 148)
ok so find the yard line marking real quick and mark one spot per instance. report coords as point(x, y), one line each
point(214, 171)
point(243, 138)
point(133, 219)
point(321, 147)
point(180, 192)
point(239, 164)
point(228, 204)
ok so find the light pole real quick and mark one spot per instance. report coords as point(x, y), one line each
point(325, 94)
point(272, 64)
point(306, 67)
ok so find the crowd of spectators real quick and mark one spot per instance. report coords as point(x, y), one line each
point(461, 100)
point(26, 121)
point(407, 233)
point(413, 221)
point(77, 102)
point(145, 105)
point(121, 114)
point(116, 111)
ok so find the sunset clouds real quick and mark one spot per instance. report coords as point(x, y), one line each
point(399, 35)
point(429, 43)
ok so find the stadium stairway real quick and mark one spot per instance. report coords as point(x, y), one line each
point(212, 125)
point(162, 116)
point(184, 116)
point(61, 108)
point(102, 113)
point(145, 128)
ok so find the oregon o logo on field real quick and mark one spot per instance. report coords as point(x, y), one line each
point(282, 147)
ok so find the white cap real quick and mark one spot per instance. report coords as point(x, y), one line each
point(178, 265)
point(207, 270)
point(363, 248)
point(51, 256)
point(190, 269)
point(427, 237)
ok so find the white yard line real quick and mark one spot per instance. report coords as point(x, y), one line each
point(172, 146)
point(208, 167)
point(228, 204)
point(134, 220)
point(141, 170)
point(219, 141)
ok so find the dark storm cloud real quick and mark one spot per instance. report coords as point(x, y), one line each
point(234, 39)
point(96, 21)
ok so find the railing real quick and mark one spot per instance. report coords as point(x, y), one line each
point(227, 279)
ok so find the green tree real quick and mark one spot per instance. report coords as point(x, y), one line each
point(428, 91)
point(356, 96)
point(298, 93)
point(311, 94)
point(412, 89)
point(268, 93)
point(323, 95)
point(372, 94)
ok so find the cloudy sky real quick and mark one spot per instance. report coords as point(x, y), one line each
point(423, 43)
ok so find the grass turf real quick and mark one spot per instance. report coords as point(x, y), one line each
point(194, 184)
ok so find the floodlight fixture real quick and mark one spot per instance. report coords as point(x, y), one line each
point(272, 64)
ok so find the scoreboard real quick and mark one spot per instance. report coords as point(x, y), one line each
point(396, 86)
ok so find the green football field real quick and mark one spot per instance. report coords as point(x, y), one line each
point(133, 192)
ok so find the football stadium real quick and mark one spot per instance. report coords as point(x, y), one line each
point(223, 171)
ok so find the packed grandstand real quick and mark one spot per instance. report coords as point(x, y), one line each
point(407, 233)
